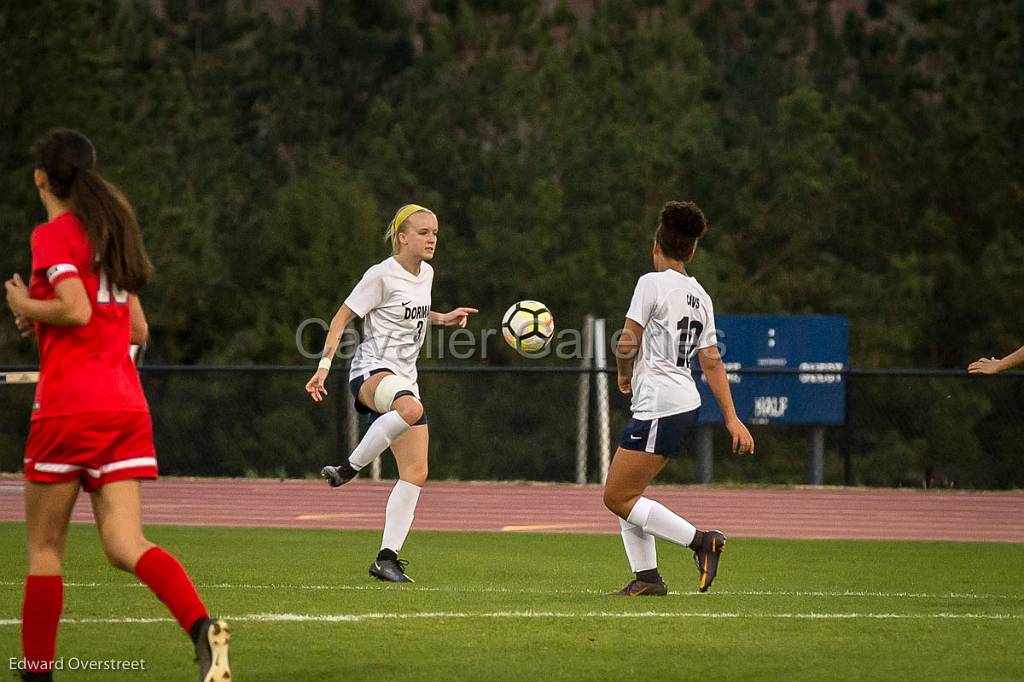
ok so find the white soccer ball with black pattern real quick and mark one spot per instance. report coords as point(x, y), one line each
point(528, 326)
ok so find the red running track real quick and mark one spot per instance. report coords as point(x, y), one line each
point(825, 513)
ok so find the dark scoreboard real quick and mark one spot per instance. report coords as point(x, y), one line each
point(792, 369)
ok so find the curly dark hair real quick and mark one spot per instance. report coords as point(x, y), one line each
point(681, 224)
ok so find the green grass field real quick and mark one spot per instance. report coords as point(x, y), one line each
point(506, 606)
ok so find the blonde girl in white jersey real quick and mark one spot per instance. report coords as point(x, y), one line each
point(670, 322)
point(393, 298)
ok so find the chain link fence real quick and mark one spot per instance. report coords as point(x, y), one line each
point(904, 428)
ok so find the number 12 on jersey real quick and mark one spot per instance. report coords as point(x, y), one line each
point(689, 338)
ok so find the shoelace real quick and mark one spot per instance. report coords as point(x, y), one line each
point(401, 564)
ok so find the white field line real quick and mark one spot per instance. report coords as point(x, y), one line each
point(493, 615)
point(509, 590)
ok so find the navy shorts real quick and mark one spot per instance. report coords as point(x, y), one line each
point(357, 383)
point(662, 436)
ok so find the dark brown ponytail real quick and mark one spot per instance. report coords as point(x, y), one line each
point(69, 161)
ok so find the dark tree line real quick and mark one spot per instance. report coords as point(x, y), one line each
point(855, 158)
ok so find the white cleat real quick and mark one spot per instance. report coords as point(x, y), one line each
point(212, 651)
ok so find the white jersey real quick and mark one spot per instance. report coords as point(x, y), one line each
point(394, 305)
point(678, 320)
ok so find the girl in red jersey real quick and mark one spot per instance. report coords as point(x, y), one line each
point(90, 424)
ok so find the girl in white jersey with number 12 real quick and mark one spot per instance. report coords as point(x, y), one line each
point(670, 322)
point(393, 298)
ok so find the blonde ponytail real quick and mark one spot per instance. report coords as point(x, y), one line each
point(395, 226)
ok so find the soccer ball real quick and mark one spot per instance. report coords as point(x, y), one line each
point(528, 326)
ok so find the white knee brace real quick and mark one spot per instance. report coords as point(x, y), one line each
point(389, 388)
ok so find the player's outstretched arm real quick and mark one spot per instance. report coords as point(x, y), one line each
point(459, 316)
point(714, 370)
point(994, 366)
point(70, 308)
point(316, 385)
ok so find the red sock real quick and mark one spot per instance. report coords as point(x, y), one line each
point(40, 614)
point(168, 580)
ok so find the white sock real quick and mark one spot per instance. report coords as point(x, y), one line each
point(640, 549)
point(399, 515)
point(379, 436)
point(661, 522)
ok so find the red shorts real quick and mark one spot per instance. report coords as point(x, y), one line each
point(95, 448)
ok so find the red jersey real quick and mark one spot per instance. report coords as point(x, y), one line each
point(82, 369)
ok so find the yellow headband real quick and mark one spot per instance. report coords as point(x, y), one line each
point(400, 217)
point(404, 213)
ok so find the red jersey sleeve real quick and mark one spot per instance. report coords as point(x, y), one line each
point(54, 254)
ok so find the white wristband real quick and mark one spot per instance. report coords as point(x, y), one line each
point(325, 363)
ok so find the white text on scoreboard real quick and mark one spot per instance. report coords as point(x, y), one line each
point(818, 369)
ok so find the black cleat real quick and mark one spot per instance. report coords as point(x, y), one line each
point(212, 650)
point(390, 570)
point(339, 475)
point(706, 557)
point(641, 588)
point(36, 677)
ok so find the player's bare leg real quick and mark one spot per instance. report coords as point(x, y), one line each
point(411, 455)
point(405, 411)
point(629, 475)
point(47, 511)
point(117, 507)
point(410, 452)
point(118, 511)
